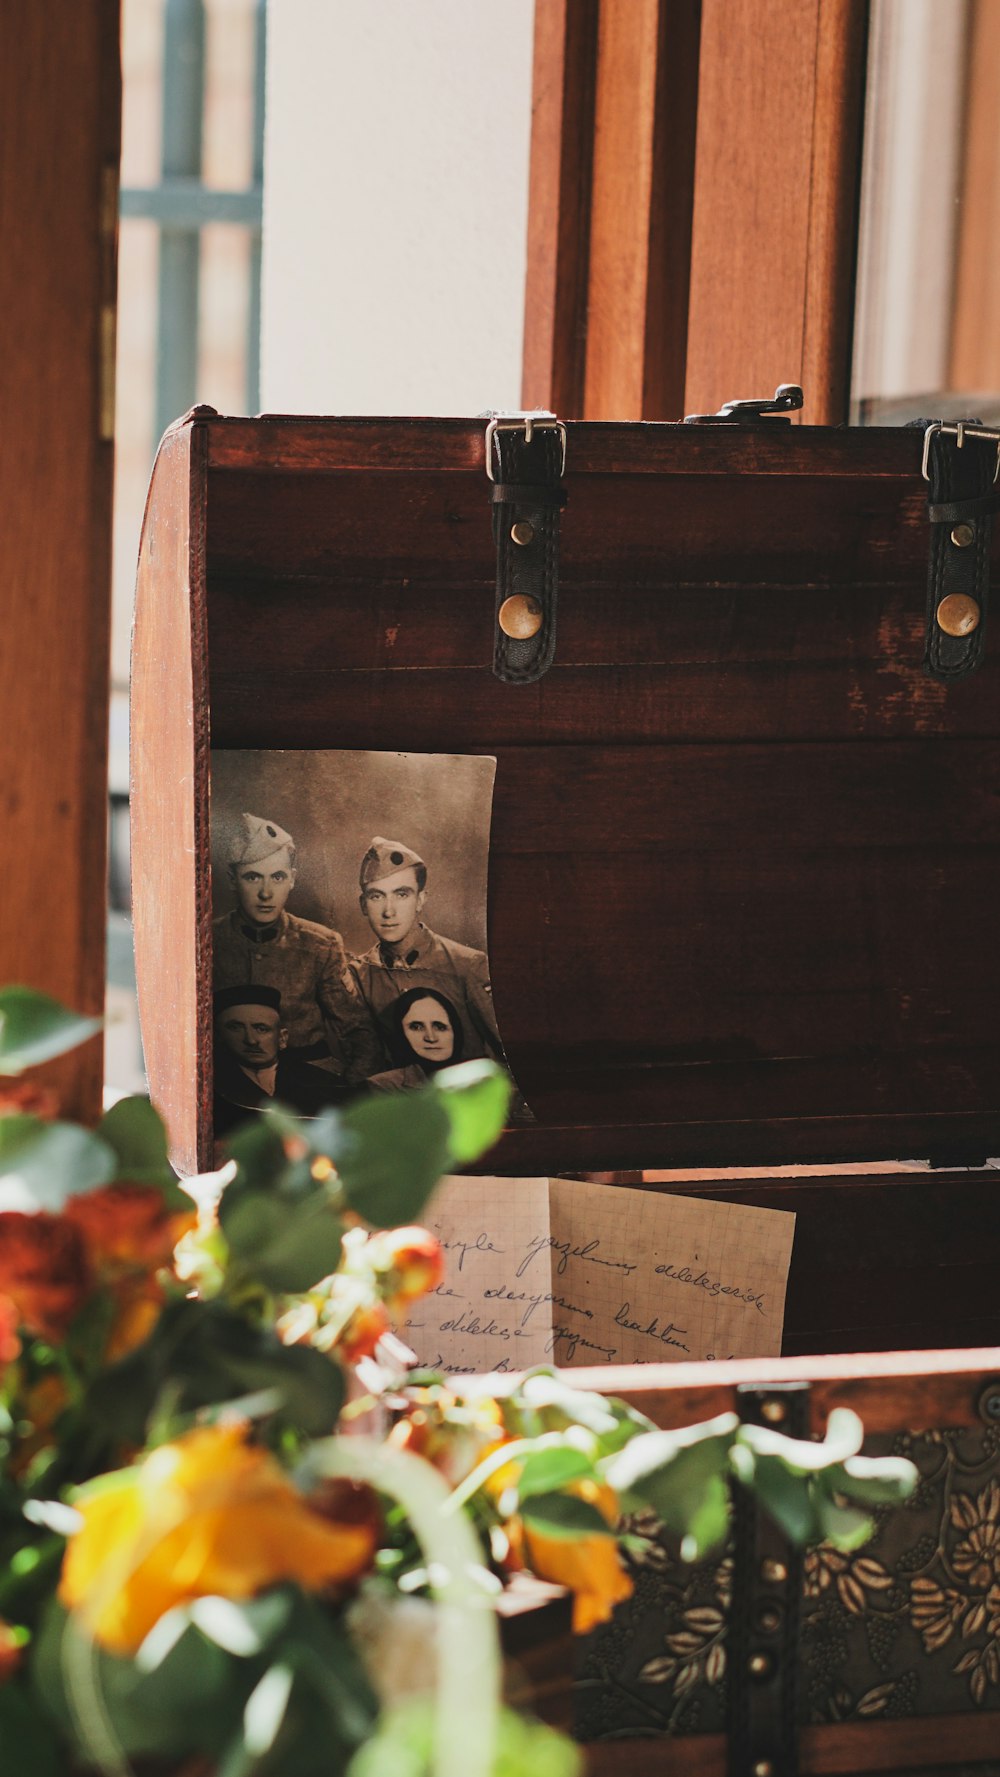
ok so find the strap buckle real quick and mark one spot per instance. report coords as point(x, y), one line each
point(960, 430)
point(527, 421)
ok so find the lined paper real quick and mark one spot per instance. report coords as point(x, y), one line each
point(556, 1271)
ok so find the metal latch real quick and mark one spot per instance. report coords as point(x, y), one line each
point(530, 421)
point(787, 398)
point(960, 430)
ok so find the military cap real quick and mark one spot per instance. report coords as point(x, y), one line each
point(255, 839)
point(248, 994)
point(384, 857)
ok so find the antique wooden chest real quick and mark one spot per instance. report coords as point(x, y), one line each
point(743, 891)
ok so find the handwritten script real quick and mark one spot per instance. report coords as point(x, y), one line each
point(554, 1271)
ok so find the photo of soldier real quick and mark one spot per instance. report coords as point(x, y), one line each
point(424, 1034)
point(329, 1027)
point(408, 954)
point(252, 1067)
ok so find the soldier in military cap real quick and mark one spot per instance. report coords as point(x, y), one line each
point(408, 954)
point(259, 942)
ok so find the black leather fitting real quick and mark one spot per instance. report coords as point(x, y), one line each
point(527, 499)
point(962, 499)
point(763, 1666)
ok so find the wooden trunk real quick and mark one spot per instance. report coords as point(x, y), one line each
point(744, 873)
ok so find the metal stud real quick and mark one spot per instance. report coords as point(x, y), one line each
point(769, 1619)
point(522, 532)
point(774, 1572)
point(520, 617)
point(963, 535)
point(762, 1768)
point(774, 1411)
point(759, 1666)
point(958, 614)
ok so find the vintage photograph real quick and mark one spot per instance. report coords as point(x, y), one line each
point(349, 924)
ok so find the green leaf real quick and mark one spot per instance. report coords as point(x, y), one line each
point(259, 1147)
point(683, 1476)
point(788, 1497)
point(28, 1733)
point(562, 1515)
point(393, 1149)
point(35, 1028)
point(542, 1402)
point(802, 1456)
point(546, 1470)
point(287, 1247)
point(202, 1354)
point(265, 1709)
point(878, 1480)
point(136, 1134)
point(403, 1746)
point(841, 1525)
point(42, 1164)
point(476, 1095)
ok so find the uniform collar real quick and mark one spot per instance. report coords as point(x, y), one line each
point(416, 948)
point(259, 934)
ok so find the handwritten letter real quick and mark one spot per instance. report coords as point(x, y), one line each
point(555, 1271)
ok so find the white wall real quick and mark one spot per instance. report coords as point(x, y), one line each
point(396, 183)
point(910, 189)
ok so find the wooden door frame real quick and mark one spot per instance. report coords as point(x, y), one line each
point(706, 247)
point(60, 138)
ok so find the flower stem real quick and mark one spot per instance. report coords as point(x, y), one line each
point(468, 1667)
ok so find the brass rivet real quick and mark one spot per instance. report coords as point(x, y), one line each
point(958, 614)
point(763, 1768)
point(963, 535)
point(522, 532)
point(775, 1572)
point(769, 1619)
point(758, 1666)
point(521, 617)
point(774, 1412)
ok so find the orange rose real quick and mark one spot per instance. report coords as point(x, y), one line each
point(362, 1333)
point(208, 1514)
point(11, 1651)
point(411, 1262)
point(10, 1344)
point(589, 1565)
point(43, 1269)
point(454, 1436)
point(24, 1098)
point(127, 1226)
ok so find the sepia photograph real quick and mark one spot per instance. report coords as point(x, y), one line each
point(349, 924)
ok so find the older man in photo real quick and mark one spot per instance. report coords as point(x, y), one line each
point(408, 954)
point(260, 942)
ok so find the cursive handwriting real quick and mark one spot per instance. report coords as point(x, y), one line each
point(652, 1330)
point(503, 1294)
point(481, 1244)
point(547, 1243)
point(565, 1340)
point(701, 1280)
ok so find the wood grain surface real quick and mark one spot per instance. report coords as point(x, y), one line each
point(744, 853)
point(775, 215)
point(60, 99)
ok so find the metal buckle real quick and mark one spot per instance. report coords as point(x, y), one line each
point(532, 419)
point(960, 430)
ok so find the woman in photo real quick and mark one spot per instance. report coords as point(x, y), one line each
point(425, 1035)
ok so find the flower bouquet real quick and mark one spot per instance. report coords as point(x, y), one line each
point(241, 1534)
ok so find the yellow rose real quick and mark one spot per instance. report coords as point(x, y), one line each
point(589, 1565)
point(207, 1514)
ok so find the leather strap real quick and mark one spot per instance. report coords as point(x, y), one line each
point(763, 1717)
point(527, 499)
point(962, 499)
